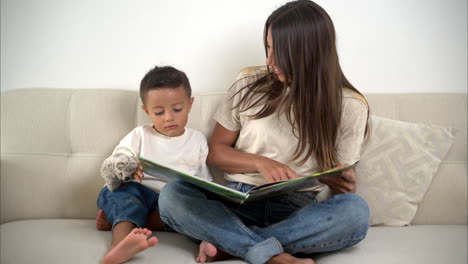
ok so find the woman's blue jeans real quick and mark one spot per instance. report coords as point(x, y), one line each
point(293, 223)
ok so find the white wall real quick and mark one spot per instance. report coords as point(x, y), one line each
point(385, 46)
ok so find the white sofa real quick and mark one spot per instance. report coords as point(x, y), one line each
point(53, 142)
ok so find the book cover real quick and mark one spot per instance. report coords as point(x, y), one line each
point(157, 170)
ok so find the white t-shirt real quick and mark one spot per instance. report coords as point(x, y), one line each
point(186, 153)
point(272, 136)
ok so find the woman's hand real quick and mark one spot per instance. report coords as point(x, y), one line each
point(344, 183)
point(138, 174)
point(274, 171)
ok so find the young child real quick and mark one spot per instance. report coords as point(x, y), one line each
point(166, 96)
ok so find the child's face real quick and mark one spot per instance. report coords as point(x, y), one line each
point(168, 109)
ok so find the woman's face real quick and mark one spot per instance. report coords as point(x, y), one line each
point(270, 60)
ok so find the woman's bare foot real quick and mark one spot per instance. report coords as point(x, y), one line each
point(286, 258)
point(134, 243)
point(101, 222)
point(207, 252)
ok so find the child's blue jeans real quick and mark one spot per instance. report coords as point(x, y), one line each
point(293, 223)
point(131, 202)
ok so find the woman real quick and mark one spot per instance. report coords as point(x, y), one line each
point(298, 116)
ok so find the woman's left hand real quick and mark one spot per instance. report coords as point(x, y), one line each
point(344, 183)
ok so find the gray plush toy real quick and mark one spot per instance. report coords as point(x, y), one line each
point(118, 169)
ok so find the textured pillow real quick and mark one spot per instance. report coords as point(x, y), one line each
point(396, 168)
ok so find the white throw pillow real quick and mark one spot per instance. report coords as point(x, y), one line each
point(396, 167)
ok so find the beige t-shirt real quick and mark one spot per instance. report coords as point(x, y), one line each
point(272, 136)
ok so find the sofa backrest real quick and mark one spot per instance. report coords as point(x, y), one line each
point(53, 142)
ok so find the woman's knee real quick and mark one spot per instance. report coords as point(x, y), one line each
point(172, 188)
point(175, 196)
point(355, 211)
point(170, 193)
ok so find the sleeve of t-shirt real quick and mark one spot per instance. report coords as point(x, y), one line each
point(226, 115)
point(203, 171)
point(131, 143)
point(352, 130)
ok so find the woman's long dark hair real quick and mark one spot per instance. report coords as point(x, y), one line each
point(305, 51)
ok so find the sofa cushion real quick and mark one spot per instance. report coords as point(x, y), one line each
point(397, 166)
point(77, 241)
point(423, 244)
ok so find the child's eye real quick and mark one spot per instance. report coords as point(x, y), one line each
point(178, 110)
point(159, 113)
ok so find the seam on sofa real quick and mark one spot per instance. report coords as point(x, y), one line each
point(69, 139)
point(68, 120)
point(396, 104)
point(82, 154)
point(202, 109)
point(136, 111)
point(454, 162)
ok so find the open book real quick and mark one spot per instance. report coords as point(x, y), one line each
point(260, 191)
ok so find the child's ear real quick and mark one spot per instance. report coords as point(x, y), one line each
point(190, 103)
point(145, 109)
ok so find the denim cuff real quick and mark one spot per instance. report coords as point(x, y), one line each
point(263, 251)
point(126, 219)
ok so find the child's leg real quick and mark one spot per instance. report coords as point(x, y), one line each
point(127, 243)
point(154, 222)
point(120, 231)
point(101, 221)
point(123, 210)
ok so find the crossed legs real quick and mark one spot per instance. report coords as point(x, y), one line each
point(337, 223)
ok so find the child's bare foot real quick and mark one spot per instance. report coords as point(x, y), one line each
point(134, 243)
point(207, 252)
point(101, 222)
point(286, 258)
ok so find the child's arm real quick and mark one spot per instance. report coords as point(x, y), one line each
point(118, 168)
point(203, 171)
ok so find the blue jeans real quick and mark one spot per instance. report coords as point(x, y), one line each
point(131, 202)
point(293, 223)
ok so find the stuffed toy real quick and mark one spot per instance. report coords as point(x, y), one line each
point(118, 169)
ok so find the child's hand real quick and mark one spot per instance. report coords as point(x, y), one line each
point(138, 173)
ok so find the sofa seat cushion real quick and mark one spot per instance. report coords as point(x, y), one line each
point(77, 241)
point(421, 244)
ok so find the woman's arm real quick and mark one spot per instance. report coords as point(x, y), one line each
point(345, 183)
point(223, 155)
point(353, 127)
